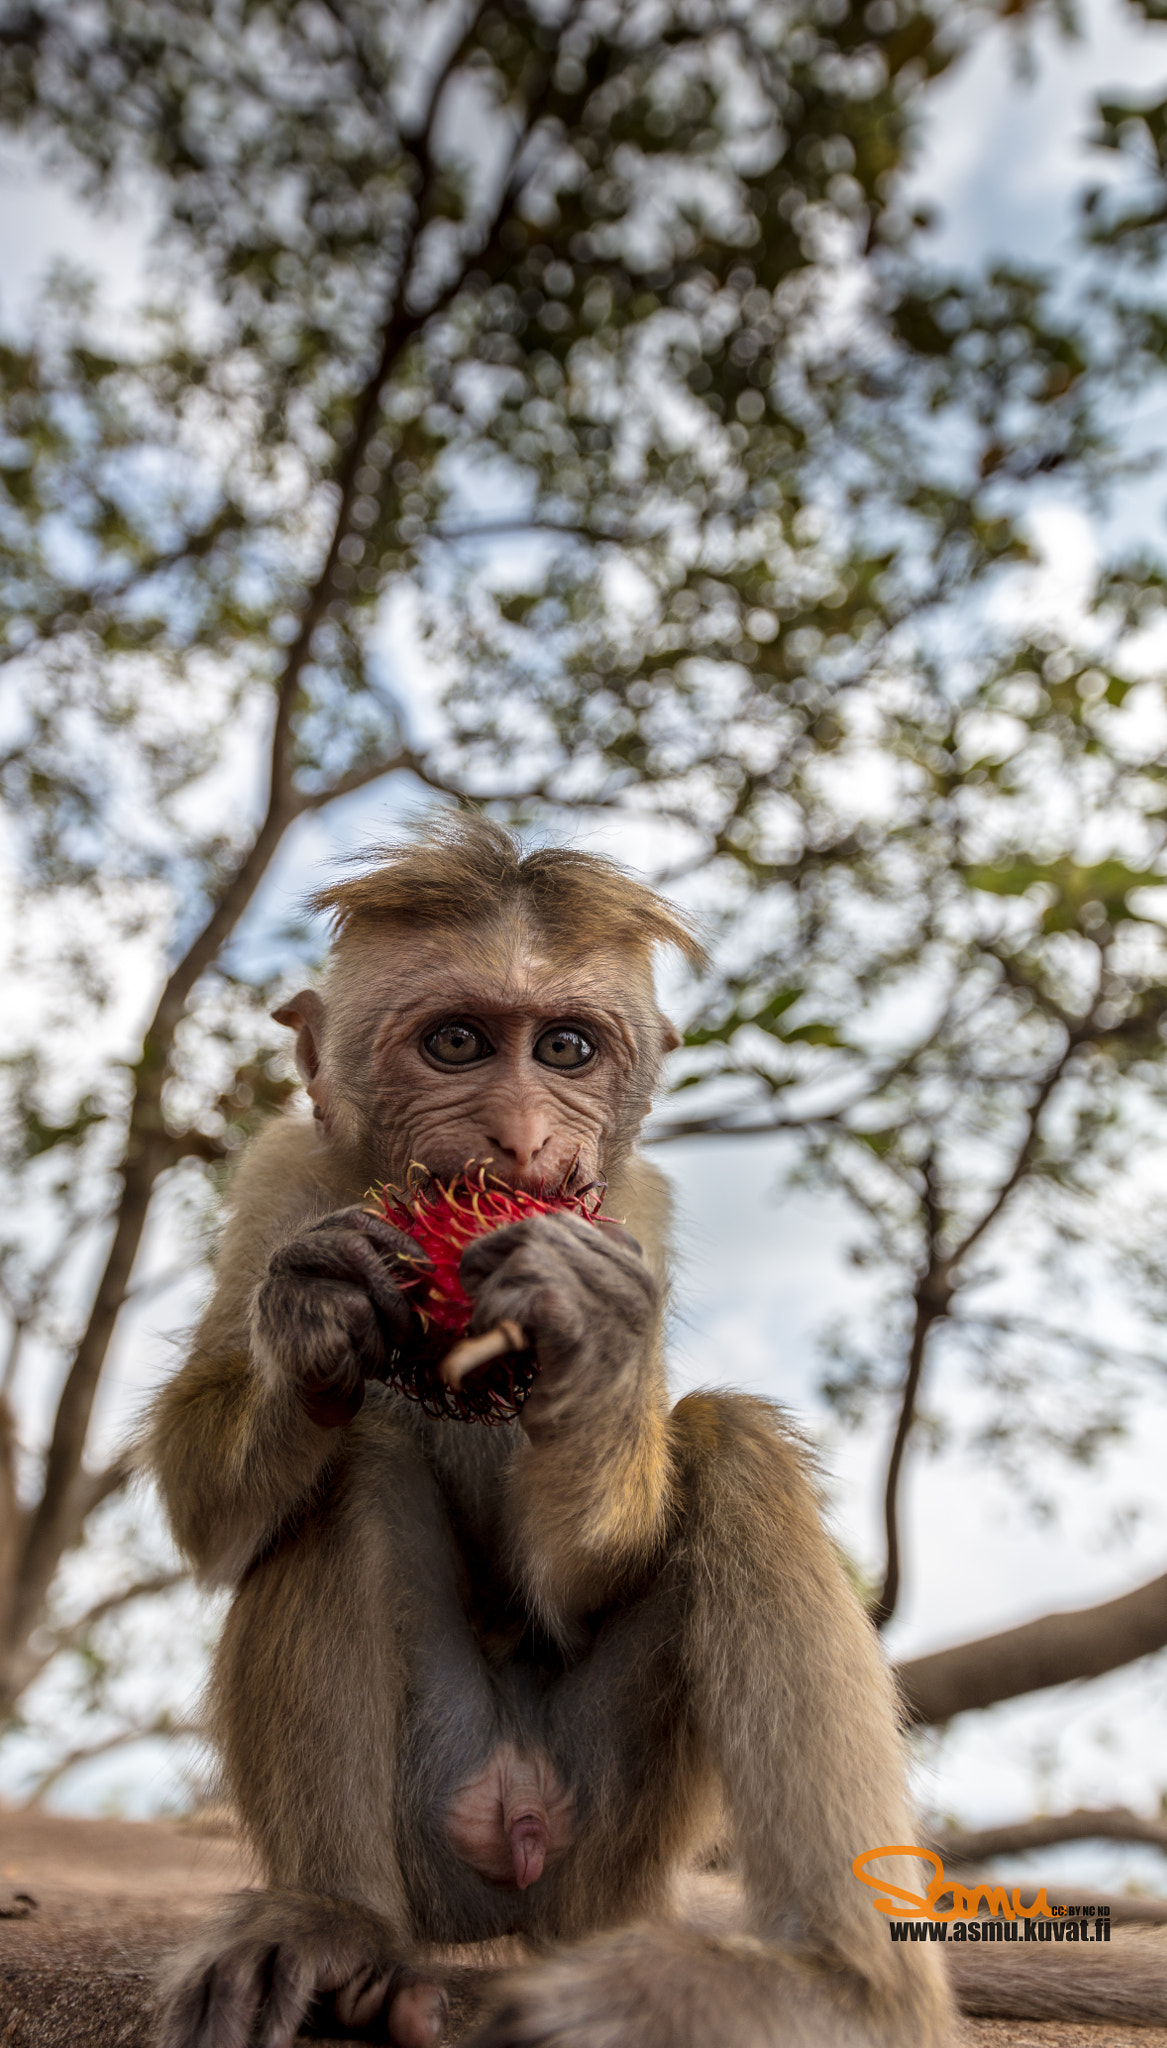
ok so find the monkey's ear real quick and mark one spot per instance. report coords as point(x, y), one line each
point(305, 1016)
point(670, 1036)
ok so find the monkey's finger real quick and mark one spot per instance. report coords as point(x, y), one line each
point(418, 2015)
point(397, 1253)
point(359, 2001)
point(350, 1259)
point(211, 2008)
point(618, 1235)
point(290, 1985)
point(484, 1255)
point(536, 1243)
point(393, 1243)
point(384, 1292)
point(554, 1314)
point(555, 1286)
point(330, 1407)
point(593, 1252)
point(603, 1244)
point(334, 1255)
point(378, 2000)
point(231, 2001)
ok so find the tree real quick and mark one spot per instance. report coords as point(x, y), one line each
point(551, 407)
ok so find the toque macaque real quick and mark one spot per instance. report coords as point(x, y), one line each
point(482, 1681)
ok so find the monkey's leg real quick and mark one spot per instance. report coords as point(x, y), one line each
point(789, 1699)
point(797, 1706)
point(310, 1700)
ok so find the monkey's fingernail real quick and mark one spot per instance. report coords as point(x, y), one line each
point(472, 1352)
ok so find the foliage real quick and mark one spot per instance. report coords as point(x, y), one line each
point(970, 1045)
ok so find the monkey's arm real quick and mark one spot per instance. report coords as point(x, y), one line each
point(232, 1458)
point(300, 1315)
point(591, 1489)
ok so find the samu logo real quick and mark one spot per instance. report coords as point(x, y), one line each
point(967, 1899)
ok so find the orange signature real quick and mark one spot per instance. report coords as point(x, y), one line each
point(966, 1898)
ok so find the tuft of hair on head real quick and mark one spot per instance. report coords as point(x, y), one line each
point(463, 870)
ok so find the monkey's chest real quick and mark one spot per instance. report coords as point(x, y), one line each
point(514, 1820)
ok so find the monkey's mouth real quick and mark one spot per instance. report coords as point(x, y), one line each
point(492, 1374)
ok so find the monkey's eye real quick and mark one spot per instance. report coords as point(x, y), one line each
point(457, 1045)
point(563, 1046)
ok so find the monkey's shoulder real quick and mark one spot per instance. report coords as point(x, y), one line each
point(285, 1182)
point(288, 1175)
point(639, 1196)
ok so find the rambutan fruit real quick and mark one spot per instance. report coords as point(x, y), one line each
point(494, 1372)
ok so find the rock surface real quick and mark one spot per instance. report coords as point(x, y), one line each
point(89, 1907)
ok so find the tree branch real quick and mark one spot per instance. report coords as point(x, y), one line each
point(1053, 1650)
point(161, 1283)
point(49, 1526)
point(163, 1725)
point(80, 598)
point(1099, 1352)
point(141, 1589)
point(1084, 1824)
point(933, 1294)
point(360, 777)
point(523, 522)
point(92, 1488)
point(16, 1337)
point(724, 1127)
point(1025, 1151)
point(29, 1665)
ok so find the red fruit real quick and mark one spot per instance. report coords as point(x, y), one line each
point(442, 1218)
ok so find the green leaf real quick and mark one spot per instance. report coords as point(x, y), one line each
point(1108, 884)
point(767, 1019)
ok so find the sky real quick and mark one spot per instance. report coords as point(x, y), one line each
point(761, 1272)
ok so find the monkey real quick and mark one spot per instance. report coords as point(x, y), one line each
point(479, 1682)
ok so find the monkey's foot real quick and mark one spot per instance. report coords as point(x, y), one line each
point(644, 1987)
point(275, 1961)
point(674, 1987)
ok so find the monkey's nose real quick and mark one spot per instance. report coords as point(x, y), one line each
point(519, 1140)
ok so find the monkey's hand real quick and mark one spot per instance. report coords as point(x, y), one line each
point(330, 1314)
point(271, 1961)
point(585, 1299)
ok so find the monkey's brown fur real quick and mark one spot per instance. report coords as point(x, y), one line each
point(464, 873)
point(566, 1645)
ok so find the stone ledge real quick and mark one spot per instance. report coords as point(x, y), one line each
point(78, 1969)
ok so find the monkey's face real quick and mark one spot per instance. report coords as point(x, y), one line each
point(484, 1049)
